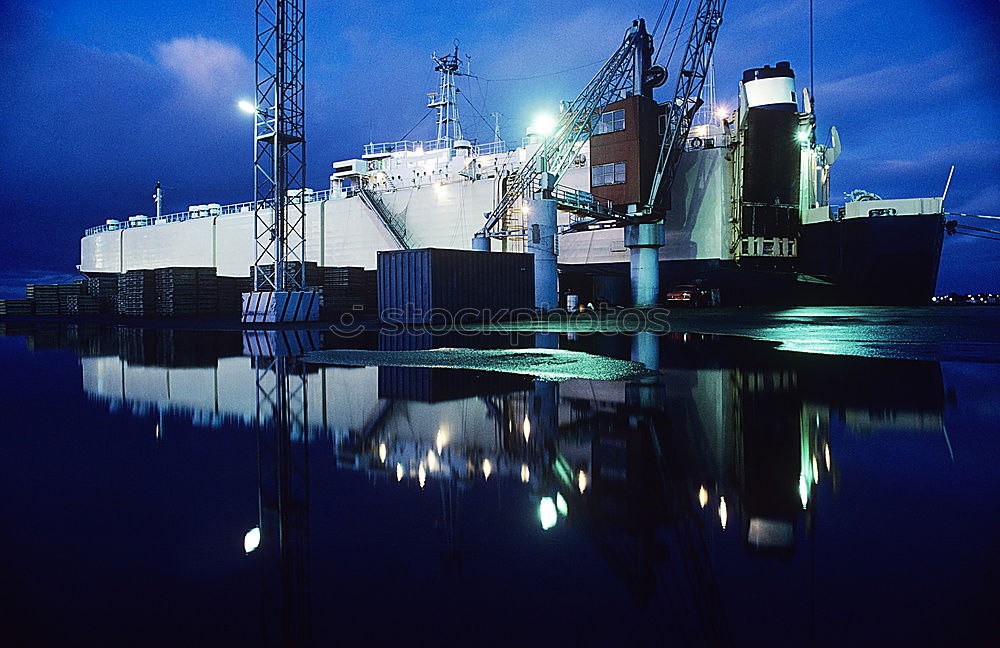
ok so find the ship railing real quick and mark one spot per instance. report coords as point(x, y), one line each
point(224, 210)
point(383, 148)
point(437, 144)
point(415, 146)
point(424, 146)
point(492, 148)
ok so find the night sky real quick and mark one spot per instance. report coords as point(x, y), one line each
point(101, 99)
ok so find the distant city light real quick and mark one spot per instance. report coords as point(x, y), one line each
point(803, 490)
point(382, 452)
point(251, 540)
point(581, 481)
point(246, 106)
point(525, 473)
point(441, 440)
point(547, 513)
point(399, 472)
point(526, 426)
point(702, 497)
point(487, 468)
point(723, 512)
point(422, 474)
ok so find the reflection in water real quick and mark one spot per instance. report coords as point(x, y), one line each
point(283, 492)
point(726, 435)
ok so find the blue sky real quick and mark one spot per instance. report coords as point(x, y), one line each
point(104, 98)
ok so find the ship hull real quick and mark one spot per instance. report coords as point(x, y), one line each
point(890, 260)
point(862, 261)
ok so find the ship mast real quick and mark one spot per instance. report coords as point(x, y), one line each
point(445, 100)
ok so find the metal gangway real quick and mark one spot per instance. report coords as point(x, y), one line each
point(393, 223)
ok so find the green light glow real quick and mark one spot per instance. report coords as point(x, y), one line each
point(561, 504)
point(562, 470)
point(547, 513)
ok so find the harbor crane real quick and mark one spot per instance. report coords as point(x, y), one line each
point(629, 71)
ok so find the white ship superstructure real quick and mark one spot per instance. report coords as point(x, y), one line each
point(750, 195)
point(400, 194)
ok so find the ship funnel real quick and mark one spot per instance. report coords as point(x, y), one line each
point(770, 87)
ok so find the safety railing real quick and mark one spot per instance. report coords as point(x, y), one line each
point(223, 210)
point(492, 148)
point(416, 146)
point(384, 148)
point(424, 146)
point(570, 199)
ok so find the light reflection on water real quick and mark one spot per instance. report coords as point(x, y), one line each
point(683, 486)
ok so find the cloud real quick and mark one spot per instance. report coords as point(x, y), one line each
point(985, 201)
point(968, 153)
point(767, 15)
point(912, 84)
point(206, 66)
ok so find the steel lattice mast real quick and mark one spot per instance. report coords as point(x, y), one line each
point(280, 146)
point(449, 129)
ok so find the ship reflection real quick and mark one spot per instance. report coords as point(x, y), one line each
point(727, 437)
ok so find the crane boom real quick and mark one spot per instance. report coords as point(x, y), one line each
point(686, 101)
point(575, 123)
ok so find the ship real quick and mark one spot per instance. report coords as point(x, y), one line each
point(749, 219)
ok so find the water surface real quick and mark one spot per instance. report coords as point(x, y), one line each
point(736, 495)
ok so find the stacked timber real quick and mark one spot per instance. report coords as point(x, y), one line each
point(104, 288)
point(137, 293)
point(348, 289)
point(230, 294)
point(67, 292)
point(79, 305)
point(15, 306)
point(45, 298)
point(186, 292)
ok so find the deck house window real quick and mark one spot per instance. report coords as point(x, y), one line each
point(607, 174)
point(609, 122)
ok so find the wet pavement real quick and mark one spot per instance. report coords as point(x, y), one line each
point(937, 333)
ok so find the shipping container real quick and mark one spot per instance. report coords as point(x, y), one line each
point(433, 286)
